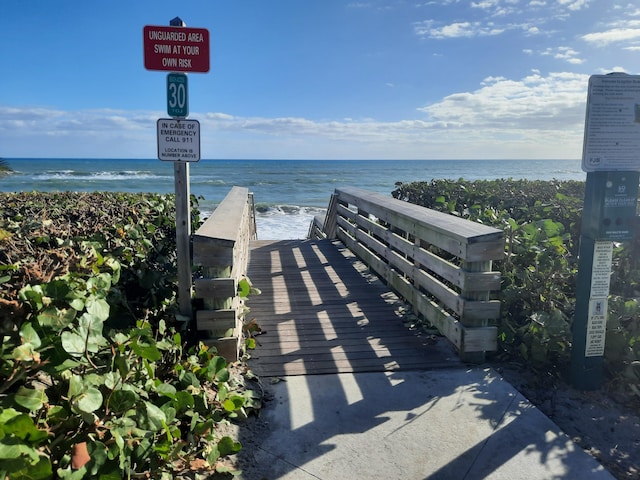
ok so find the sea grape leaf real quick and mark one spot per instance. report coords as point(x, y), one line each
point(234, 403)
point(76, 386)
point(155, 418)
point(77, 304)
point(244, 288)
point(166, 389)
point(13, 447)
point(228, 446)
point(29, 335)
point(25, 353)
point(215, 365)
point(21, 426)
point(146, 350)
point(223, 375)
point(57, 289)
point(112, 380)
point(183, 400)
point(30, 398)
point(6, 415)
point(56, 318)
point(73, 343)
point(122, 400)
point(97, 307)
point(40, 470)
point(90, 328)
point(88, 401)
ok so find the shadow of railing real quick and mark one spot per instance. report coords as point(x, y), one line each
point(458, 424)
point(324, 313)
point(401, 419)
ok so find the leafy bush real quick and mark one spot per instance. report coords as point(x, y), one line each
point(44, 235)
point(96, 379)
point(541, 221)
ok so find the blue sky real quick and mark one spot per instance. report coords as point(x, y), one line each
point(315, 79)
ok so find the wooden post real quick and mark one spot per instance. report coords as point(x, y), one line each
point(183, 237)
point(481, 266)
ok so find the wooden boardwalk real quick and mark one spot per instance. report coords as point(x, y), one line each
point(321, 312)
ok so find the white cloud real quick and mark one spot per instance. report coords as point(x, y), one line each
point(532, 104)
point(574, 4)
point(456, 30)
point(533, 117)
point(613, 35)
point(485, 4)
point(567, 54)
point(604, 71)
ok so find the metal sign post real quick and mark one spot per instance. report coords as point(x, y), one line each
point(612, 163)
point(179, 49)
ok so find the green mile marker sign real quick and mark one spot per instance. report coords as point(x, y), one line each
point(177, 95)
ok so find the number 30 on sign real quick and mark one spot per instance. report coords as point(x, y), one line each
point(177, 95)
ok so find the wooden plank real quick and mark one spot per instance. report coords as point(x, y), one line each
point(224, 223)
point(216, 321)
point(215, 287)
point(222, 239)
point(329, 224)
point(322, 312)
point(468, 240)
point(377, 204)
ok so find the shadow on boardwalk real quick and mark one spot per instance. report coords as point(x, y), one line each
point(323, 313)
point(354, 394)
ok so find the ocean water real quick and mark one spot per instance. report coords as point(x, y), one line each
point(288, 193)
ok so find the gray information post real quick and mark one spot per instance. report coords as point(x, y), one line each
point(611, 158)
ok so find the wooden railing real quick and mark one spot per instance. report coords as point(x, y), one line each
point(438, 263)
point(221, 248)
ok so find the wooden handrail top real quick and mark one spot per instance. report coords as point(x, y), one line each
point(377, 204)
point(225, 222)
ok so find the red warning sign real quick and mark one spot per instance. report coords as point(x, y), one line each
point(176, 49)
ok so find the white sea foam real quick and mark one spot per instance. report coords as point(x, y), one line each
point(281, 222)
point(74, 175)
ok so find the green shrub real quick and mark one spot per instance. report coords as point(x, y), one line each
point(93, 365)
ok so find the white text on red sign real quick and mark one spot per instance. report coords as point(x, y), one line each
point(178, 49)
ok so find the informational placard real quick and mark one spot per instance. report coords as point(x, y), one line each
point(600, 283)
point(612, 125)
point(178, 140)
point(596, 327)
point(601, 270)
point(176, 49)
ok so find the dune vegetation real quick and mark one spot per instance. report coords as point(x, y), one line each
point(97, 377)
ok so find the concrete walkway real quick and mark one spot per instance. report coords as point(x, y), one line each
point(458, 423)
